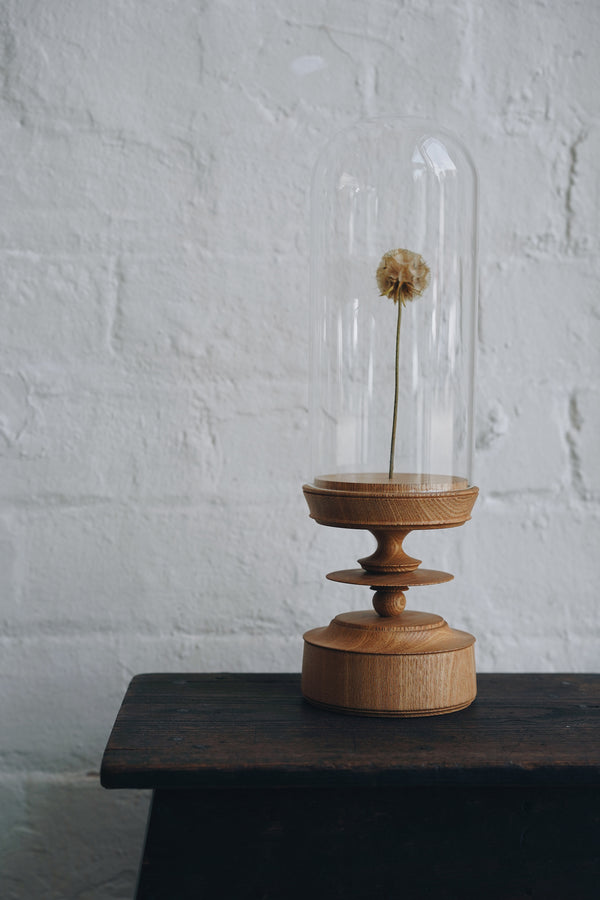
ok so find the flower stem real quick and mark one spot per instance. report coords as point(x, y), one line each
point(395, 419)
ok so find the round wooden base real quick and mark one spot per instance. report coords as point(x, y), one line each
point(412, 664)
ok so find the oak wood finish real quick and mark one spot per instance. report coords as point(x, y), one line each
point(390, 555)
point(389, 598)
point(393, 663)
point(388, 601)
point(400, 482)
point(376, 506)
point(390, 579)
point(411, 664)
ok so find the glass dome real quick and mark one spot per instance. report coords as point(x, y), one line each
point(393, 309)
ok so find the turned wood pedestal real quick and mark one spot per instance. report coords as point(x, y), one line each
point(389, 661)
point(260, 796)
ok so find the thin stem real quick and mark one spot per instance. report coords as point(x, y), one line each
point(395, 419)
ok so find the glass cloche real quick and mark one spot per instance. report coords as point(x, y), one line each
point(393, 309)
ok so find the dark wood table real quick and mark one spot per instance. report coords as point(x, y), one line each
point(259, 795)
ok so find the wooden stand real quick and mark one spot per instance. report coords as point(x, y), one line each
point(391, 662)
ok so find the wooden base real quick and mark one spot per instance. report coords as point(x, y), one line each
point(411, 664)
point(391, 662)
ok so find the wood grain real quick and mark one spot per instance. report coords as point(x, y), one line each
point(389, 601)
point(411, 664)
point(369, 669)
point(378, 508)
point(195, 730)
point(389, 587)
point(390, 555)
point(419, 577)
point(500, 800)
point(399, 483)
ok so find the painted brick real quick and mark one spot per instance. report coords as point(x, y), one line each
point(155, 172)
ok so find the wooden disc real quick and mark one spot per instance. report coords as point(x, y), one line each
point(390, 579)
point(401, 482)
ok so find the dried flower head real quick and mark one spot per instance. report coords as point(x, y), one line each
point(402, 275)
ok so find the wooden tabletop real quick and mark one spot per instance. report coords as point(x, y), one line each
point(250, 730)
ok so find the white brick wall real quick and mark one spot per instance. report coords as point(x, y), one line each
point(153, 267)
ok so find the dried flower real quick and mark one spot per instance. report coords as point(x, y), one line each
point(402, 275)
